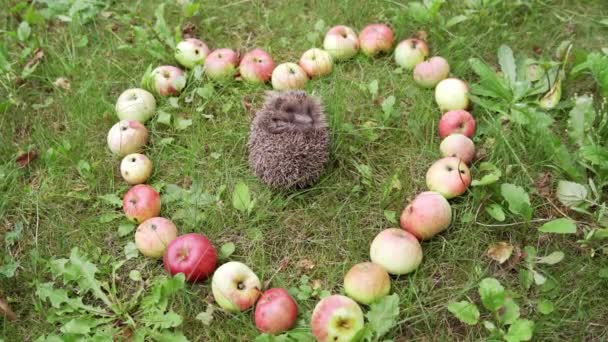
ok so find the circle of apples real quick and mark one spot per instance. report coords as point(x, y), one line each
point(393, 251)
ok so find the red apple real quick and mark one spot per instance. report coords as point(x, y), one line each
point(127, 136)
point(154, 235)
point(166, 80)
point(396, 250)
point(288, 76)
point(367, 282)
point(256, 66)
point(341, 42)
point(336, 318)
point(275, 311)
point(376, 38)
point(316, 62)
point(191, 52)
point(428, 73)
point(141, 202)
point(448, 176)
point(221, 64)
point(457, 121)
point(459, 146)
point(452, 94)
point(191, 254)
point(427, 215)
point(411, 52)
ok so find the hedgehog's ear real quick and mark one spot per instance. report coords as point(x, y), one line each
point(273, 100)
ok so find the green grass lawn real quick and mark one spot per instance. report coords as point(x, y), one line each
point(376, 165)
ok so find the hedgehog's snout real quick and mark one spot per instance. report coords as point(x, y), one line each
point(302, 119)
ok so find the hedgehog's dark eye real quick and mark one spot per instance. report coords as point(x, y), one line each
point(290, 109)
point(309, 111)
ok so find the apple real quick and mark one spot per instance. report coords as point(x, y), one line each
point(141, 202)
point(410, 52)
point(235, 287)
point(135, 168)
point(256, 66)
point(396, 250)
point(457, 121)
point(336, 319)
point(316, 62)
point(127, 136)
point(449, 176)
point(288, 76)
point(427, 215)
point(341, 42)
point(367, 282)
point(221, 64)
point(136, 104)
point(376, 38)
point(452, 94)
point(428, 73)
point(191, 52)
point(459, 146)
point(275, 312)
point(154, 235)
point(191, 254)
point(165, 80)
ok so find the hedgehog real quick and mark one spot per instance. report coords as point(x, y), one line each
point(289, 140)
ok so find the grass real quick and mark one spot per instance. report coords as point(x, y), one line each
point(330, 224)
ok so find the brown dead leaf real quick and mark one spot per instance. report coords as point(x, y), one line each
point(6, 311)
point(500, 251)
point(25, 158)
point(306, 264)
point(422, 35)
point(35, 59)
point(544, 184)
point(537, 49)
point(62, 83)
point(189, 30)
point(316, 284)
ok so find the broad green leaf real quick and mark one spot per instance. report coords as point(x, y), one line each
point(581, 120)
point(383, 314)
point(373, 88)
point(56, 296)
point(135, 275)
point(492, 294)
point(495, 210)
point(79, 326)
point(14, 235)
point(545, 306)
point(466, 312)
point(111, 199)
point(552, 98)
point(181, 123)
point(507, 63)
point(490, 80)
point(241, 199)
point(491, 327)
point(131, 251)
point(539, 279)
point(603, 273)
point(391, 216)
point(161, 28)
point(226, 250)
point(9, 268)
point(125, 229)
point(518, 200)
point(526, 278)
point(163, 118)
point(571, 194)
point(510, 312)
point(456, 20)
point(559, 226)
point(491, 174)
point(85, 270)
point(109, 217)
point(387, 106)
point(206, 316)
point(521, 330)
point(23, 31)
point(596, 155)
point(551, 259)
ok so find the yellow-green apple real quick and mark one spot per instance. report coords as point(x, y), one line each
point(410, 52)
point(191, 254)
point(136, 104)
point(376, 38)
point(457, 121)
point(367, 282)
point(452, 94)
point(135, 168)
point(154, 235)
point(341, 42)
point(165, 80)
point(449, 176)
point(396, 250)
point(428, 73)
point(336, 319)
point(127, 136)
point(191, 52)
point(140, 203)
point(221, 64)
point(427, 215)
point(288, 76)
point(459, 146)
point(316, 62)
point(235, 287)
point(256, 66)
point(275, 312)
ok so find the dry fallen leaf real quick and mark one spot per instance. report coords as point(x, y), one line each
point(25, 158)
point(500, 251)
point(306, 264)
point(6, 311)
point(35, 59)
point(316, 284)
point(62, 83)
point(422, 35)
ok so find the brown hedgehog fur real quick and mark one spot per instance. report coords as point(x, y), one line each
point(289, 140)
